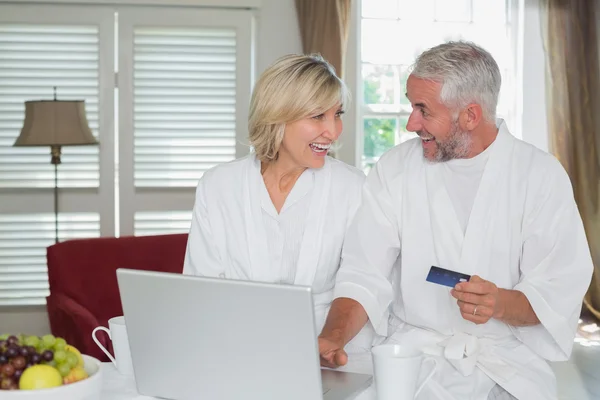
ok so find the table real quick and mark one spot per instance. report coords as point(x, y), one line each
point(121, 387)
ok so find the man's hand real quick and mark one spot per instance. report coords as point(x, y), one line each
point(478, 300)
point(332, 353)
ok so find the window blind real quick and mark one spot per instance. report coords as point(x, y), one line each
point(34, 58)
point(23, 242)
point(184, 109)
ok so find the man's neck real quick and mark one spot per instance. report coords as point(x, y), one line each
point(483, 137)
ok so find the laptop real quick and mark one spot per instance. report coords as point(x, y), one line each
point(195, 337)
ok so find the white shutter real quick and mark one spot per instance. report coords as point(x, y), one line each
point(23, 242)
point(33, 59)
point(42, 47)
point(184, 88)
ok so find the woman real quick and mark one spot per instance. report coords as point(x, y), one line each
point(280, 214)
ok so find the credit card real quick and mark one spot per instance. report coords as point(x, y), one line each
point(446, 277)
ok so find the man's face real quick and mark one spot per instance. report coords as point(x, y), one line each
point(441, 136)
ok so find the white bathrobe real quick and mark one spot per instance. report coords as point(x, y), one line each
point(227, 238)
point(524, 233)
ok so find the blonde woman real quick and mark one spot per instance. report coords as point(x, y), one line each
point(280, 214)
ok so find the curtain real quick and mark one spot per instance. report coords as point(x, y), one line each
point(324, 26)
point(573, 95)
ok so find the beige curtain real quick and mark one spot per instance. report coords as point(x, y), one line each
point(324, 26)
point(573, 93)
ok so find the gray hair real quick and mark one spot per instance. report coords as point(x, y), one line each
point(467, 72)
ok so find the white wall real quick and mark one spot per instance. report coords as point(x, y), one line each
point(277, 34)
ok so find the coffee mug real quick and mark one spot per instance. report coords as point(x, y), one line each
point(117, 333)
point(396, 371)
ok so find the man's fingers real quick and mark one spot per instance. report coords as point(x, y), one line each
point(341, 358)
point(468, 308)
point(478, 319)
point(334, 358)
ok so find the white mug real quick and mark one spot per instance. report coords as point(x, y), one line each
point(396, 371)
point(117, 332)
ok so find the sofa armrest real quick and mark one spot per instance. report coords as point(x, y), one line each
point(73, 322)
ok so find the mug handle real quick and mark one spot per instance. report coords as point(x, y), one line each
point(435, 365)
point(101, 328)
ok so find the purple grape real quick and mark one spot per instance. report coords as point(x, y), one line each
point(3, 359)
point(31, 349)
point(19, 362)
point(28, 365)
point(7, 370)
point(47, 355)
point(18, 374)
point(12, 340)
point(23, 351)
point(35, 358)
point(12, 352)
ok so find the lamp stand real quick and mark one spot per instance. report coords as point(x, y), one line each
point(55, 152)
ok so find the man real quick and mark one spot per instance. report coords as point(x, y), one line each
point(469, 197)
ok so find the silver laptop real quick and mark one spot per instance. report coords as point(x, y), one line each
point(194, 337)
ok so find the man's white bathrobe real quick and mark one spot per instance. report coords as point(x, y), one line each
point(524, 233)
point(232, 235)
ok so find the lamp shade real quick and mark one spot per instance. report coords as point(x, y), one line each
point(55, 123)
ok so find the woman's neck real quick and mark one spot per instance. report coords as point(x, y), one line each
point(280, 174)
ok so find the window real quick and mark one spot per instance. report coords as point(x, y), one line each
point(166, 94)
point(183, 109)
point(394, 32)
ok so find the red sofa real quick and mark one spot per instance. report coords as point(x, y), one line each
point(83, 285)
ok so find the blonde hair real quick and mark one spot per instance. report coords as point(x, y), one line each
point(292, 88)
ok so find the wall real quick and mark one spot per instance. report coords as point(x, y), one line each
point(276, 34)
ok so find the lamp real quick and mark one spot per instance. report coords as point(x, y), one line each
point(55, 123)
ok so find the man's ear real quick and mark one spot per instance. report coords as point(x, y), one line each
point(470, 117)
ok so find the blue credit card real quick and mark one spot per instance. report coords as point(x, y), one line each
point(446, 277)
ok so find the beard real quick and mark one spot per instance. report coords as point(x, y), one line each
point(457, 145)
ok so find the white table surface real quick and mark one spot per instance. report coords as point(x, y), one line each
point(122, 387)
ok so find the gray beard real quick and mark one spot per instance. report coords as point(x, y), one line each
point(457, 145)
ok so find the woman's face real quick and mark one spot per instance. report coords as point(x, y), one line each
point(307, 141)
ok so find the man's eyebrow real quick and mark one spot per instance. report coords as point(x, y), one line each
point(420, 105)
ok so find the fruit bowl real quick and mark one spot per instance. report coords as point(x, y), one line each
point(86, 389)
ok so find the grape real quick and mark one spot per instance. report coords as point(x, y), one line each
point(72, 359)
point(2, 343)
point(12, 340)
point(60, 356)
point(50, 363)
point(35, 358)
point(48, 355)
point(24, 351)
point(48, 340)
point(60, 343)
point(64, 369)
point(4, 337)
point(29, 365)
point(18, 374)
point(32, 341)
point(7, 370)
point(31, 350)
point(11, 352)
point(19, 362)
point(3, 359)
point(6, 383)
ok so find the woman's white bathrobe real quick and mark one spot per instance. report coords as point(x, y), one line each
point(228, 238)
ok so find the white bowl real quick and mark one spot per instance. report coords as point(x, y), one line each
point(87, 389)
